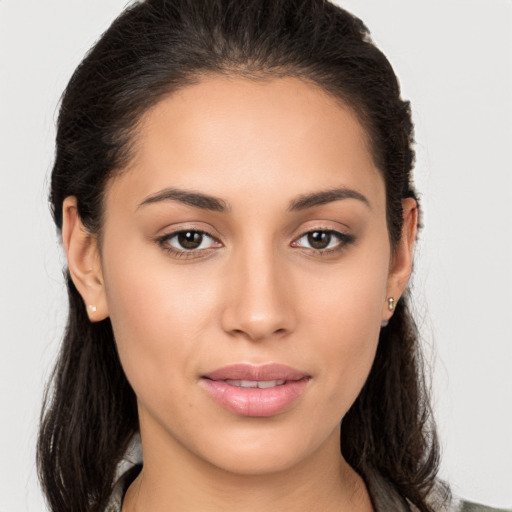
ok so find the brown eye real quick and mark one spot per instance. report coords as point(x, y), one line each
point(323, 240)
point(189, 243)
point(319, 239)
point(189, 239)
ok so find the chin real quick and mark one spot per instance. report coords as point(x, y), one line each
point(261, 463)
point(259, 452)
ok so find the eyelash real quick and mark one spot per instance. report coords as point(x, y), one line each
point(343, 241)
point(163, 241)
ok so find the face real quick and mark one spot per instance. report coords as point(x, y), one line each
point(245, 267)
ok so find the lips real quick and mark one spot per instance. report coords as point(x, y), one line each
point(257, 391)
point(256, 373)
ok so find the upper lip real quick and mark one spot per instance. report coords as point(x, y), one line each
point(266, 372)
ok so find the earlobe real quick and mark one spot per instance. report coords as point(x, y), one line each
point(402, 259)
point(84, 261)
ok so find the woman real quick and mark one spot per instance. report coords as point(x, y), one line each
point(233, 186)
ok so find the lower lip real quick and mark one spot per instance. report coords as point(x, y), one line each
point(256, 402)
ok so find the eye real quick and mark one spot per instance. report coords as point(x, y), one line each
point(188, 240)
point(323, 240)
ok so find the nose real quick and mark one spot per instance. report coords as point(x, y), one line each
point(259, 301)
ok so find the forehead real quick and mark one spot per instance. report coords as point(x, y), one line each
point(227, 135)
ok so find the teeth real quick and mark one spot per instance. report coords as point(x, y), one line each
point(270, 383)
point(248, 383)
point(255, 383)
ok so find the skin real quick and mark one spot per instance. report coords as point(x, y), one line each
point(255, 292)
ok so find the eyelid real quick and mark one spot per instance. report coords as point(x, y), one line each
point(203, 234)
point(162, 241)
point(192, 225)
point(343, 237)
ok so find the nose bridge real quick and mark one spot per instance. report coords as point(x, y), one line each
point(259, 305)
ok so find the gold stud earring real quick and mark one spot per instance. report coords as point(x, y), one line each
point(92, 307)
point(391, 303)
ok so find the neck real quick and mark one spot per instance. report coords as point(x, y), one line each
point(175, 479)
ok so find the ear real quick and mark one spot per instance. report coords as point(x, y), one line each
point(84, 261)
point(402, 257)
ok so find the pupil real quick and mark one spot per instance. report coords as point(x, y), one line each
point(319, 239)
point(190, 239)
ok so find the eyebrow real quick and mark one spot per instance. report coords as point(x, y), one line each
point(207, 202)
point(188, 197)
point(326, 196)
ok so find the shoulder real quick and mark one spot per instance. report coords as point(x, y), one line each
point(127, 470)
point(467, 506)
point(454, 504)
point(115, 502)
point(386, 497)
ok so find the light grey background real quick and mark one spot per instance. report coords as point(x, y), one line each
point(453, 58)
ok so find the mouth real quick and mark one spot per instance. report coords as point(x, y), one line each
point(256, 391)
point(262, 384)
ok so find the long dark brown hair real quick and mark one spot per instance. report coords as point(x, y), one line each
point(152, 49)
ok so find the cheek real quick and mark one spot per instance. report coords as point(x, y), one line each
point(158, 314)
point(344, 312)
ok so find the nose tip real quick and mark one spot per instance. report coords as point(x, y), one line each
point(260, 327)
point(259, 304)
point(257, 318)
